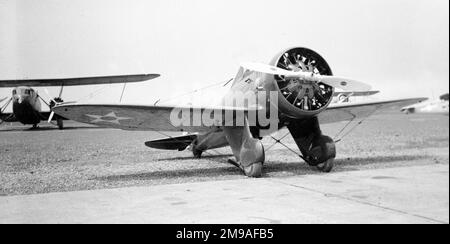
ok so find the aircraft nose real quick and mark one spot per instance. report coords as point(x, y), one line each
point(20, 99)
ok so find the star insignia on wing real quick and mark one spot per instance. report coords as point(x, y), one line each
point(109, 118)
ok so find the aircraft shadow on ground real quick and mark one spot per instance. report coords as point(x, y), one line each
point(341, 164)
point(167, 174)
point(294, 168)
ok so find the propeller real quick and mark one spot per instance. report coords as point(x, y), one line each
point(50, 117)
point(334, 81)
point(3, 99)
point(55, 102)
point(52, 100)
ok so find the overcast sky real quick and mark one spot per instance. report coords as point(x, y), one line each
point(400, 47)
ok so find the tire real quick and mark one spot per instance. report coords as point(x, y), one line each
point(254, 170)
point(326, 166)
point(197, 153)
point(60, 123)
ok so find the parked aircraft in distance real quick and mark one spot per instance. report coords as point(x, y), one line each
point(435, 106)
point(26, 102)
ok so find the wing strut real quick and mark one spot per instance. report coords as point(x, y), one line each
point(61, 91)
point(3, 109)
point(339, 135)
point(342, 135)
point(6, 105)
point(278, 141)
point(123, 90)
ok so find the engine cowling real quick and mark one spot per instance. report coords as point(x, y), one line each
point(299, 98)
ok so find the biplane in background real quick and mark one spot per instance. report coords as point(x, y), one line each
point(304, 85)
point(26, 102)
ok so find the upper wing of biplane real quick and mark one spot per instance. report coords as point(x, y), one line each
point(142, 117)
point(79, 80)
point(351, 111)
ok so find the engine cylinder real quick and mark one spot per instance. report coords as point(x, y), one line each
point(299, 98)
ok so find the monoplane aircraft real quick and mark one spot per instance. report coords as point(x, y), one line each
point(294, 91)
point(430, 106)
point(26, 102)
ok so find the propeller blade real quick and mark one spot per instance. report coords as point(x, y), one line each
point(344, 83)
point(334, 81)
point(49, 96)
point(50, 117)
point(3, 99)
point(64, 103)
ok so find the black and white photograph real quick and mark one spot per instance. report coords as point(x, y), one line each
point(224, 119)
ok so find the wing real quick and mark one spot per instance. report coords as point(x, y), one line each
point(349, 111)
point(356, 94)
point(79, 81)
point(139, 117)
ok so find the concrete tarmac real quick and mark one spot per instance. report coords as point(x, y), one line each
point(415, 194)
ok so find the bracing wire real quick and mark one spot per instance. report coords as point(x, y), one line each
point(194, 91)
point(354, 127)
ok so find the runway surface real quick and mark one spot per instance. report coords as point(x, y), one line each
point(403, 195)
point(391, 169)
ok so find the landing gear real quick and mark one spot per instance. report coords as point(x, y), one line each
point(318, 150)
point(254, 170)
point(197, 153)
point(326, 166)
point(195, 149)
point(247, 150)
point(60, 123)
point(322, 154)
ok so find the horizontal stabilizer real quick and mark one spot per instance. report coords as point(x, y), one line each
point(79, 81)
point(173, 143)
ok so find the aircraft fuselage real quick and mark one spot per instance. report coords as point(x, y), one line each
point(26, 105)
